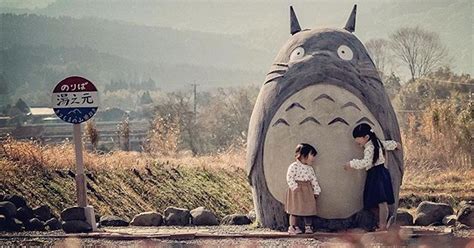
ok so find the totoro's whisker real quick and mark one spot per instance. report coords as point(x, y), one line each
point(338, 119)
point(281, 71)
point(280, 121)
point(281, 64)
point(324, 96)
point(273, 78)
point(350, 104)
point(295, 105)
point(310, 119)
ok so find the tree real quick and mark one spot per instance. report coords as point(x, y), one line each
point(420, 50)
point(146, 98)
point(379, 50)
point(124, 133)
point(92, 133)
point(173, 126)
point(392, 85)
point(22, 106)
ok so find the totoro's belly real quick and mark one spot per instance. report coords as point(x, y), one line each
point(324, 116)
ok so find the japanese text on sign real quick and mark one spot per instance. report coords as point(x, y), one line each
point(74, 99)
point(74, 87)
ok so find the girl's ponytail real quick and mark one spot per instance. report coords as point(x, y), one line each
point(377, 144)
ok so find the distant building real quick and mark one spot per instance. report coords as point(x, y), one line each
point(42, 115)
point(5, 120)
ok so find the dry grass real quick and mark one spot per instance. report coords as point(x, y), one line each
point(125, 183)
point(29, 155)
point(26, 164)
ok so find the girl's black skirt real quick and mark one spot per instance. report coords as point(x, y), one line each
point(378, 187)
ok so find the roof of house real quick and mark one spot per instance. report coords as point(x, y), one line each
point(41, 111)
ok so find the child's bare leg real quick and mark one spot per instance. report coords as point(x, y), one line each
point(383, 215)
point(375, 212)
point(292, 220)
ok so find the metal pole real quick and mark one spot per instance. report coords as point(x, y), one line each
point(80, 177)
point(195, 102)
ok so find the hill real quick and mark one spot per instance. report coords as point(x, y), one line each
point(31, 71)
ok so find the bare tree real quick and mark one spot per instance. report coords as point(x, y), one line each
point(124, 133)
point(420, 50)
point(92, 134)
point(174, 124)
point(379, 51)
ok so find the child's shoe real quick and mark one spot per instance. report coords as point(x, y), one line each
point(294, 230)
point(308, 230)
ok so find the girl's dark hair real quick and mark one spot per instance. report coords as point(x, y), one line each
point(303, 150)
point(364, 129)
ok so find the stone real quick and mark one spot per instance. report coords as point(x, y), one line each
point(53, 224)
point(34, 224)
point(76, 226)
point(19, 201)
point(111, 220)
point(449, 220)
point(236, 219)
point(73, 213)
point(465, 215)
point(13, 225)
point(147, 219)
point(7, 209)
point(363, 219)
point(3, 222)
point(404, 218)
point(431, 213)
point(177, 216)
point(252, 215)
point(24, 214)
point(43, 212)
point(203, 217)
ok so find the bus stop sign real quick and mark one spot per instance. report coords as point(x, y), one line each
point(75, 99)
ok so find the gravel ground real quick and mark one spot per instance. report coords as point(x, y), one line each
point(463, 238)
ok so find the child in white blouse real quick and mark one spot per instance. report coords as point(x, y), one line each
point(303, 188)
point(378, 191)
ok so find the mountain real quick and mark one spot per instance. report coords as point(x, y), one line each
point(37, 52)
point(41, 67)
point(264, 24)
point(135, 42)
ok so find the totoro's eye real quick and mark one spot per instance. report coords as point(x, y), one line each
point(297, 54)
point(345, 52)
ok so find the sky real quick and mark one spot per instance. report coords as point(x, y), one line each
point(25, 4)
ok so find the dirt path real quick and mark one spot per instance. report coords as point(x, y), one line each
point(239, 236)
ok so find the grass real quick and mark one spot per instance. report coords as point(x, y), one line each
point(126, 183)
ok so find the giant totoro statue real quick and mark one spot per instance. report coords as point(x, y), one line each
point(321, 85)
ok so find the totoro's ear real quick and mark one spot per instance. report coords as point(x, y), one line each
point(351, 22)
point(294, 25)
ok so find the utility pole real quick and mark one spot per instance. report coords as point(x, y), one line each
point(195, 102)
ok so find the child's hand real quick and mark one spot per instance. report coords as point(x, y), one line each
point(399, 146)
point(347, 166)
